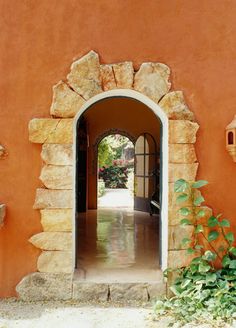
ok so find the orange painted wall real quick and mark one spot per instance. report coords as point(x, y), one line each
point(124, 114)
point(38, 41)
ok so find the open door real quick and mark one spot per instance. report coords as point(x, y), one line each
point(81, 184)
point(146, 188)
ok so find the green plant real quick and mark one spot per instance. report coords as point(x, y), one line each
point(205, 290)
point(101, 187)
point(114, 176)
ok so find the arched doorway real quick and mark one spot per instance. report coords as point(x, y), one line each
point(86, 85)
point(158, 116)
point(115, 158)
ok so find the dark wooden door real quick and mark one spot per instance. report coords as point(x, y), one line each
point(81, 166)
point(146, 168)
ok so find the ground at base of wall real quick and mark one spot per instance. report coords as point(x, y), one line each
point(15, 313)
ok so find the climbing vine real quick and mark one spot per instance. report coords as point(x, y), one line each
point(205, 290)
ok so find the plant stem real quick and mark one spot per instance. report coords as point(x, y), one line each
point(223, 233)
point(220, 258)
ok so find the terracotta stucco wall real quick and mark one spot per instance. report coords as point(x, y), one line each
point(39, 40)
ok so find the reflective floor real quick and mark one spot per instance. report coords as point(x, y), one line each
point(118, 245)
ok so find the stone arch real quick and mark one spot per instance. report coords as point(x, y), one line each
point(113, 131)
point(105, 134)
point(87, 81)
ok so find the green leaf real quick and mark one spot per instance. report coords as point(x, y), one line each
point(233, 250)
point(209, 256)
point(199, 228)
point(196, 260)
point(199, 183)
point(226, 261)
point(185, 222)
point(190, 250)
point(232, 264)
point(184, 211)
point(224, 223)
point(185, 283)
point(213, 235)
point(198, 247)
point(193, 268)
point(198, 200)
point(204, 267)
point(201, 214)
point(211, 277)
point(186, 241)
point(212, 222)
point(182, 198)
point(230, 237)
point(180, 185)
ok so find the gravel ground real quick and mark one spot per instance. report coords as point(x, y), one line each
point(18, 314)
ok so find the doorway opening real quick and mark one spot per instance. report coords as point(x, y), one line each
point(115, 184)
point(118, 243)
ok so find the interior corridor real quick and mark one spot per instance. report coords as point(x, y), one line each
point(118, 245)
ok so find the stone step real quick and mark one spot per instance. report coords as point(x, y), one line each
point(40, 286)
point(117, 292)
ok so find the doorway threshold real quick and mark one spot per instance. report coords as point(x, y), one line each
point(117, 288)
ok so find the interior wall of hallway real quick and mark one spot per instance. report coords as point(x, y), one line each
point(123, 114)
point(39, 40)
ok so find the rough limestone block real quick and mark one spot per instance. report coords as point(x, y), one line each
point(175, 217)
point(2, 214)
point(182, 132)
point(176, 235)
point(152, 80)
point(182, 171)
point(155, 290)
point(182, 153)
point(84, 76)
point(57, 154)
point(173, 195)
point(179, 258)
point(174, 106)
point(53, 199)
point(65, 102)
point(57, 177)
point(52, 241)
point(56, 219)
point(123, 292)
point(49, 130)
point(40, 286)
point(55, 262)
point(171, 277)
point(108, 77)
point(124, 75)
point(90, 291)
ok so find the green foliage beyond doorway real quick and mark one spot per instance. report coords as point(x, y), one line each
point(115, 160)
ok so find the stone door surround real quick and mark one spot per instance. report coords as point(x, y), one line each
point(86, 79)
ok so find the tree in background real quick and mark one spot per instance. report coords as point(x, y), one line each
point(114, 170)
point(111, 148)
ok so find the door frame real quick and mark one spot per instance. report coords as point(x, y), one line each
point(156, 109)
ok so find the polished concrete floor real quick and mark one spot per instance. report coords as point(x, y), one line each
point(118, 244)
